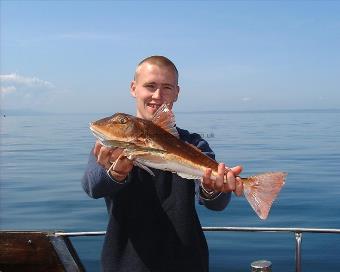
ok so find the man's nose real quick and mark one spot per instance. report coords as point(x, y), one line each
point(157, 94)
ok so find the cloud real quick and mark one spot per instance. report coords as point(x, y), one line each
point(7, 90)
point(16, 79)
point(25, 92)
point(246, 99)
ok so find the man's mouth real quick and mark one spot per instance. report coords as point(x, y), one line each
point(154, 106)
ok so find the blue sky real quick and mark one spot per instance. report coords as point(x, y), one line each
point(80, 56)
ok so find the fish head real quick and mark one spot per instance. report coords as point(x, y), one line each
point(118, 127)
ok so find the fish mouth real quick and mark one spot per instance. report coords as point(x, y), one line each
point(105, 141)
point(101, 137)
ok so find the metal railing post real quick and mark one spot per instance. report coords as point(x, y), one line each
point(298, 241)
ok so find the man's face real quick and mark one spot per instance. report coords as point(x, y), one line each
point(153, 86)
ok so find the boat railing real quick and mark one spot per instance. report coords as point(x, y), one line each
point(296, 231)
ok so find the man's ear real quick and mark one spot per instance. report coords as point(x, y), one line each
point(133, 88)
point(177, 93)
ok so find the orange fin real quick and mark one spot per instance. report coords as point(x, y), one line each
point(261, 191)
point(165, 119)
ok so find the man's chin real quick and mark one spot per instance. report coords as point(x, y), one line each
point(147, 115)
point(151, 110)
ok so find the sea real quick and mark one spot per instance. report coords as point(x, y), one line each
point(43, 157)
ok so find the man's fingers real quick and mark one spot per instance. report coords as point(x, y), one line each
point(97, 148)
point(237, 170)
point(115, 154)
point(225, 181)
point(219, 182)
point(123, 165)
point(104, 157)
point(207, 182)
point(231, 180)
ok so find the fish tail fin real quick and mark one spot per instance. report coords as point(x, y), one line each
point(261, 191)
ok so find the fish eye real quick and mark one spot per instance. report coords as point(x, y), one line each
point(122, 120)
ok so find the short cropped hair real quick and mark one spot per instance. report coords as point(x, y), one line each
point(160, 61)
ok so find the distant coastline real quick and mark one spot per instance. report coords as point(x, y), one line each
point(12, 112)
point(261, 111)
point(27, 112)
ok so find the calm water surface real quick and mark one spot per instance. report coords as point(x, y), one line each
point(43, 159)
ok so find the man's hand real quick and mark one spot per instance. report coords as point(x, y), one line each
point(106, 156)
point(233, 182)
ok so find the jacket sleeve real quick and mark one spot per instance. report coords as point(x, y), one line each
point(222, 200)
point(96, 182)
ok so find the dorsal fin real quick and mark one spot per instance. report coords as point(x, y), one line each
point(165, 119)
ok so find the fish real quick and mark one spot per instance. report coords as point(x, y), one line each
point(156, 144)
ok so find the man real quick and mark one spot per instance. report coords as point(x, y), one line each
point(153, 224)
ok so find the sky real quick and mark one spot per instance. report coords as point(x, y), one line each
point(80, 56)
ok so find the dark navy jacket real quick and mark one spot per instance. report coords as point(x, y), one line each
point(153, 224)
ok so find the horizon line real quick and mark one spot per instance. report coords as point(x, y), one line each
point(4, 112)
